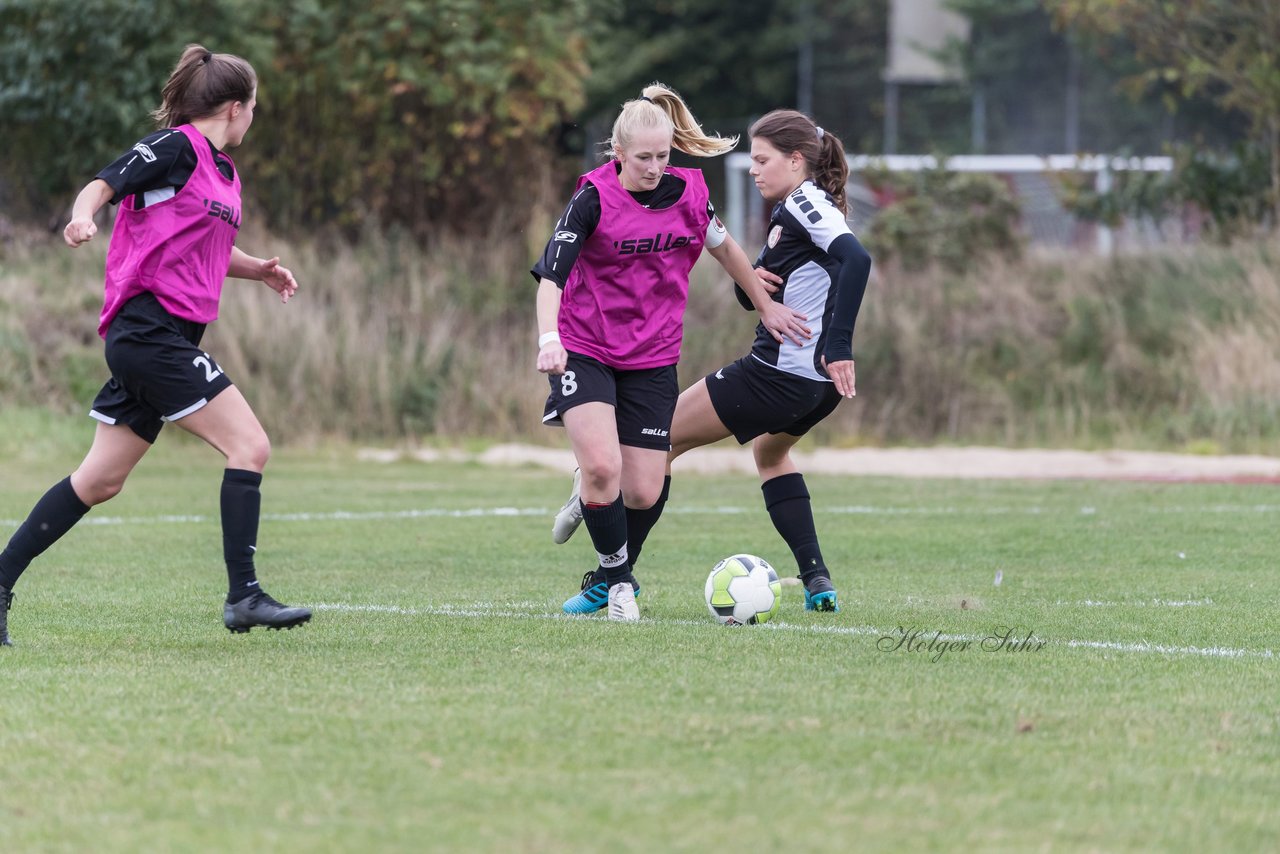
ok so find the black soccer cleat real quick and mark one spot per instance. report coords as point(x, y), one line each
point(259, 609)
point(6, 602)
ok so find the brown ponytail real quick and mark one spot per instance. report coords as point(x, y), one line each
point(202, 82)
point(791, 131)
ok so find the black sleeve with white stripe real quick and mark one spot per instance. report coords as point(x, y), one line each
point(161, 159)
point(578, 223)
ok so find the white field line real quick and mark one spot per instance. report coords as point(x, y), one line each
point(479, 610)
point(722, 510)
point(1093, 603)
point(1152, 603)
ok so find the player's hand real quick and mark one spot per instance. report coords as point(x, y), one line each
point(771, 281)
point(79, 231)
point(784, 321)
point(842, 375)
point(279, 279)
point(552, 358)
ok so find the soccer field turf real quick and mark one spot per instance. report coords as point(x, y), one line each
point(438, 701)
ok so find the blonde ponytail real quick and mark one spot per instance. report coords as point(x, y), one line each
point(660, 106)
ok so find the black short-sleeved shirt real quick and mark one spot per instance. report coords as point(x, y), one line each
point(156, 167)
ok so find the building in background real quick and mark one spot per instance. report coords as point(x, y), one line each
point(921, 34)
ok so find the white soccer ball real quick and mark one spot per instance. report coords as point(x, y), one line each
point(743, 590)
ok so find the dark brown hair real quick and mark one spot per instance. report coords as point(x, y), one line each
point(791, 131)
point(202, 82)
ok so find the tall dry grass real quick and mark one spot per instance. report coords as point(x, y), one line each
point(389, 341)
point(1170, 349)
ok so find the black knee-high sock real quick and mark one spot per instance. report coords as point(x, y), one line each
point(641, 522)
point(787, 499)
point(241, 505)
point(54, 514)
point(607, 524)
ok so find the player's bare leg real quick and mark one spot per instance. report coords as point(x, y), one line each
point(695, 423)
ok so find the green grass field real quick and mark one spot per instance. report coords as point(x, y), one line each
point(438, 702)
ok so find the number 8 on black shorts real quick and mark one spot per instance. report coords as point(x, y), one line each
point(644, 400)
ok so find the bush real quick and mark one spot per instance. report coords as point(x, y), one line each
point(937, 217)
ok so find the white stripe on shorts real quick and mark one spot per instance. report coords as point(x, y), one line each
point(198, 405)
point(105, 419)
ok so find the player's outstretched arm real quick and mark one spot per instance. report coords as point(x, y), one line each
point(266, 270)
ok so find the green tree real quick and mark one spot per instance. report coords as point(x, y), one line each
point(1030, 68)
point(735, 63)
point(429, 115)
point(77, 80)
point(1225, 48)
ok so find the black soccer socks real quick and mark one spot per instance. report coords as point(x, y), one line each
point(641, 522)
point(607, 525)
point(787, 499)
point(241, 506)
point(54, 514)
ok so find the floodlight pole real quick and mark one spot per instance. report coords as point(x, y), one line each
point(890, 117)
point(1071, 107)
point(978, 118)
point(804, 61)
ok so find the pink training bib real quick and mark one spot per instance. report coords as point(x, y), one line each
point(624, 301)
point(178, 249)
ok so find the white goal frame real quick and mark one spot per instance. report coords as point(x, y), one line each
point(743, 206)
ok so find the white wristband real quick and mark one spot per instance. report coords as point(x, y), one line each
point(547, 337)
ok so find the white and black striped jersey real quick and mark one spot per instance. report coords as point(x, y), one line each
point(824, 272)
point(582, 215)
point(156, 167)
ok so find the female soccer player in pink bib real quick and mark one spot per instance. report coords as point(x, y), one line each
point(613, 285)
point(172, 247)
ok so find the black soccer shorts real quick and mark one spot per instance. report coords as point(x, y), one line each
point(158, 371)
point(752, 398)
point(644, 401)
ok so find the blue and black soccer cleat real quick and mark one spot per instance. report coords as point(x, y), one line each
point(594, 595)
point(820, 594)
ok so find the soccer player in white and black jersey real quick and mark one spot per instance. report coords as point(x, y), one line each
point(771, 397)
point(777, 393)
